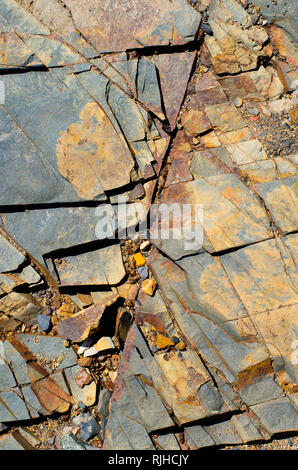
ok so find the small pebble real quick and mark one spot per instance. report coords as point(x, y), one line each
point(206, 28)
point(44, 322)
point(253, 111)
point(145, 245)
point(143, 272)
point(149, 286)
point(139, 259)
point(175, 339)
point(238, 102)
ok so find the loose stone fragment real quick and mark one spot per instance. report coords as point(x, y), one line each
point(139, 259)
point(149, 286)
point(83, 378)
point(84, 323)
point(104, 344)
point(44, 322)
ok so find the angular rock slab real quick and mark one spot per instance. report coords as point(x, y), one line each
point(35, 363)
point(10, 257)
point(129, 25)
point(107, 267)
point(54, 228)
point(83, 324)
point(236, 218)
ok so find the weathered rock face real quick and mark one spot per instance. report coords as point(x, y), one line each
point(109, 107)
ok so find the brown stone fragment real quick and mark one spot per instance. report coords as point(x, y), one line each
point(174, 71)
point(51, 396)
point(84, 361)
point(195, 122)
point(83, 378)
point(84, 323)
point(66, 310)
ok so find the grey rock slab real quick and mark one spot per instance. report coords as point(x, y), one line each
point(167, 442)
point(261, 390)
point(133, 430)
point(115, 437)
point(17, 363)
point(277, 415)
point(8, 442)
point(281, 200)
point(89, 429)
point(283, 13)
point(196, 437)
point(51, 348)
point(7, 380)
point(151, 409)
point(12, 406)
point(54, 229)
point(53, 107)
point(103, 402)
point(244, 424)
point(107, 267)
point(10, 257)
point(71, 442)
point(23, 22)
point(30, 276)
point(223, 433)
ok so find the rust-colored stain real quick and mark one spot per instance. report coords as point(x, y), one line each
point(252, 373)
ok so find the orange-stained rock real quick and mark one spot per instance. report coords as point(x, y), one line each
point(66, 310)
point(162, 341)
point(149, 286)
point(92, 156)
point(84, 361)
point(51, 396)
point(181, 346)
point(195, 122)
point(139, 259)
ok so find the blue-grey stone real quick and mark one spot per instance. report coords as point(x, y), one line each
point(71, 442)
point(90, 429)
point(103, 402)
point(44, 322)
point(12, 406)
point(143, 272)
point(277, 415)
